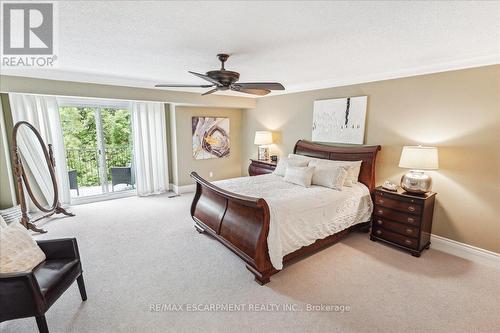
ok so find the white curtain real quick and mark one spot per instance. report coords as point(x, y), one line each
point(150, 147)
point(43, 113)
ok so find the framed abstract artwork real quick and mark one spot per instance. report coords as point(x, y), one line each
point(340, 120)
point(210, 137)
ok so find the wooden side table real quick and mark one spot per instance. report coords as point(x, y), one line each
point(261, 167)
point(403, 219)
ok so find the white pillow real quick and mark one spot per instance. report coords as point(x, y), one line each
point(300, 157)
point(327, 175)
point(18, 250)
point(299, 175)
point(285, 162)
point(352, 167)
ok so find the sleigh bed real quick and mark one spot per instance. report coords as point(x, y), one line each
point(242, 223)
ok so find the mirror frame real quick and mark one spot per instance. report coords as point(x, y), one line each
point(23, 182)
point(50, 166)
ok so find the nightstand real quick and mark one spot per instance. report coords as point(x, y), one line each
point(403, 219)
point(260, 167)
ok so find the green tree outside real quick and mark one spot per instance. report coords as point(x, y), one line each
point(80, 141)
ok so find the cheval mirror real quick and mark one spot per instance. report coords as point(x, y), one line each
point(34, 170)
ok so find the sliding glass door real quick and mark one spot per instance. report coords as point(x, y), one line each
point(99, 151)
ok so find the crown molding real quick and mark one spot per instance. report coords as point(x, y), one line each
point(416, 71)
point(102, 79)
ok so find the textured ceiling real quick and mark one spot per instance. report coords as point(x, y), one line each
point(304, 45)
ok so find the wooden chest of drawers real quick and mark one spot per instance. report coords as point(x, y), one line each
point(403, 219)
point(259, 167)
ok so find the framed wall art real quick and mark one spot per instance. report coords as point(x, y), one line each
point(210, 137)
point(340, 120)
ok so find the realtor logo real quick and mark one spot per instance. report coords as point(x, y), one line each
point(29, 31)
point(28, 28)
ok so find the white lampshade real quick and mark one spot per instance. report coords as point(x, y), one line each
point(419, 157)
point(263, 138)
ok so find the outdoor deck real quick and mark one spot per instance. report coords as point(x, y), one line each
point(97, 190)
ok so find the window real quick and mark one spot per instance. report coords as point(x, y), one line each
point(98, 143)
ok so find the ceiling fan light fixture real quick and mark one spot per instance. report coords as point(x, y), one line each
point(223, 79)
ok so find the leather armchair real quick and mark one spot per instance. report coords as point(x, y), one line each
point(32, 293)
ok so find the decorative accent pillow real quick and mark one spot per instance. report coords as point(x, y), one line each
point(285, 162)
point(352, 167)
point(18, 250)
point(332, 176)
point(299, 175)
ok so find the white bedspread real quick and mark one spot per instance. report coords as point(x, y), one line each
point(299, 215)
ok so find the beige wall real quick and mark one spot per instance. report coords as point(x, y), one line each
point(222, 168)
point(172, 139)
point(458, 111)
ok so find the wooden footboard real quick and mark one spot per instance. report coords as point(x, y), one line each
point(239, 222)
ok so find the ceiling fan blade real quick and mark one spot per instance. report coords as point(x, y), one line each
point(261, 85)
point(260, 92)
point(183, 85)
point(206, 77)
point(210, 92)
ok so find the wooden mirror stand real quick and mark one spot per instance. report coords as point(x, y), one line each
point(23, 180)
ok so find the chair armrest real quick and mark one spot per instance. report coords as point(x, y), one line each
point(20, 296)
point(64, 248)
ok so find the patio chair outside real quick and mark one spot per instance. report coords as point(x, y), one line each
point(73, 181)
point(122, 175)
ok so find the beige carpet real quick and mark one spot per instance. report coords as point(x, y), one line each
point(142, 251)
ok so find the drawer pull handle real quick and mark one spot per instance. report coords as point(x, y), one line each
point(411, 220)
point(380, 201)
point(407, 241)
point(378, 232)
point(409, 231)
point(411, 208)
point(380, 222)
point(380, 211)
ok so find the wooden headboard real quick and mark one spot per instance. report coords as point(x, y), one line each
point(367, 154)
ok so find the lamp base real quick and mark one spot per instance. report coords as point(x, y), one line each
point(263, 153)
point(416, 181)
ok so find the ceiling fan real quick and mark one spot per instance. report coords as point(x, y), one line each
point(223, 79)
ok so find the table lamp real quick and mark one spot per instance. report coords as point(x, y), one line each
point(418, 159)
point(263, 139)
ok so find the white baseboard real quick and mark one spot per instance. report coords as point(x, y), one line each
point(183, 189)
point(466, 251)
